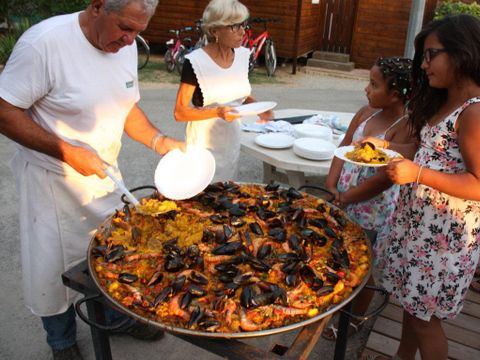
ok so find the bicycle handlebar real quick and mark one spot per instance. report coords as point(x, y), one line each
point(263, 20)
point(186, 28)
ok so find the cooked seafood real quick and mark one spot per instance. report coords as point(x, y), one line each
point(234, 258)
point(367, 153)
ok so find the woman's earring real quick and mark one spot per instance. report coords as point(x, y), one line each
point(216, 38)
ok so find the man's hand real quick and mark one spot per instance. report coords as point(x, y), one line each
point(166, 144)
point(84, 161)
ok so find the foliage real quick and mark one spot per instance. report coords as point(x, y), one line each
point(7, 41)
point(39, 9)
point(451, 7)
point(20, 14)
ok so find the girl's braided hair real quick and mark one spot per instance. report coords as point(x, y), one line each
point(397, 72)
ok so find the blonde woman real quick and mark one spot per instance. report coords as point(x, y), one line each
point(214, 80)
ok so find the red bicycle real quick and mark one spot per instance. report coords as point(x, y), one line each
point(175, 55)
point(255, 44)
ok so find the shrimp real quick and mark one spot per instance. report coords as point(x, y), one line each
point(144, 256)
point(229, 309)
point(289, 311)
point(174, 308)
point(248, 325)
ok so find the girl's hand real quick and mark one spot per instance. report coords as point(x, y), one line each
point(340, 201)
point(227, 113)
point(379, 143)
point(402, 171)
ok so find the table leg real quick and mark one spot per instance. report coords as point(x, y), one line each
point(342, 335)
point(268, 173)
point(100, 339)
point(295, 178)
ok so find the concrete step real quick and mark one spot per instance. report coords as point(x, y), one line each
point(331, 56)
point(355, 74)
point(334, 65)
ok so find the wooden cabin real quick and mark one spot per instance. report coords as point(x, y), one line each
point(365, 29)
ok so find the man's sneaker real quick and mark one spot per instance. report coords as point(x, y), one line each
point(141, 331)
point(70, 353)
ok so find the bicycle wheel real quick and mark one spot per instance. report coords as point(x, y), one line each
point(270, 57)
point(180, 59)
point(169, 62)
point(143, 52)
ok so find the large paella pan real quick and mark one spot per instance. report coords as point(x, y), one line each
point(237, 260)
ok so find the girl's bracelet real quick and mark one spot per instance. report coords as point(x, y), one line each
point(419, 172)
point(153, 143)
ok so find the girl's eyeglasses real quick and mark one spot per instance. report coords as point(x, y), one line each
point(236, 27)
point(430, 53)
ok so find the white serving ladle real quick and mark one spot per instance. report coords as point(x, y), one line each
point(122, 187)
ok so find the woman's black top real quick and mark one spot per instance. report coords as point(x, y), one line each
point(189, 77)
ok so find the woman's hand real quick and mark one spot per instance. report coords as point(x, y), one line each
point(265, 117)
point(379, 143)
point(402, 171)
point(227, 113)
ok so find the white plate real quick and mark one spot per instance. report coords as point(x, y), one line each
point(313, 148)
point(313, 131)
point(310, 156)
point(255, 108)
point(275, 140)
point(182, 175)
point(341, 151)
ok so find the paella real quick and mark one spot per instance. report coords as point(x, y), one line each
point(235, 258)
point(366, 152)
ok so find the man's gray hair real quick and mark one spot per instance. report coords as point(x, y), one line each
point(118, 5)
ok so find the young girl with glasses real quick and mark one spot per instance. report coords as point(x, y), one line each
point(434, 242)
point(366, 193)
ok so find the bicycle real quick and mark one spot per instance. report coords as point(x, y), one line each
point(175, 54)
point(202, 37)
point(143, 52)
point(255, 44)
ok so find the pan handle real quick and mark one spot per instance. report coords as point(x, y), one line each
point(332, 197)
point(93, 324)
point(123, 197)
point(374, 312)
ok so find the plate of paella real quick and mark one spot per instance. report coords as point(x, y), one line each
point(365, 154)
point(237, 260)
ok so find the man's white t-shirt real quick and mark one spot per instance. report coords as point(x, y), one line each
point(71, 88)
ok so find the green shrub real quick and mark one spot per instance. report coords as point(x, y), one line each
point(20, 14)
point(451, 7)
point(8, 40)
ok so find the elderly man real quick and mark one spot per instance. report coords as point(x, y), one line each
point(67, 94)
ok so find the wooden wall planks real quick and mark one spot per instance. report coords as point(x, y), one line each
point(366, 29)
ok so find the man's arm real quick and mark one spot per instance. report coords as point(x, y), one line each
point(18, 126)
point(140, 129)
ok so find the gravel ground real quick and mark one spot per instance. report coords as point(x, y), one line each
point(21, 333)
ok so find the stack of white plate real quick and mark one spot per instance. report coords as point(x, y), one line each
point(313, 131)
point(313, 148)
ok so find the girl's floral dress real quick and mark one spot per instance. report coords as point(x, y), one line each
point(434, 242)
point(374, 213)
